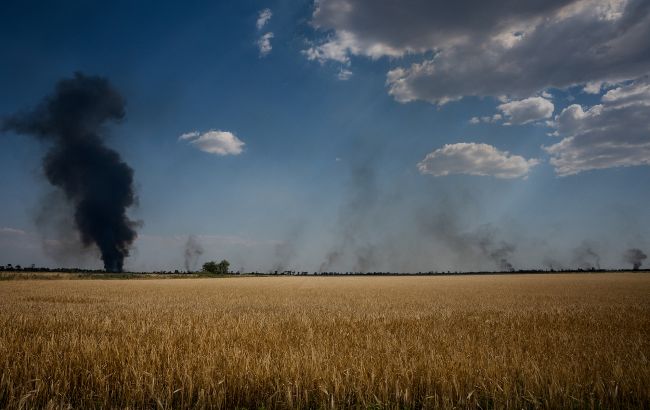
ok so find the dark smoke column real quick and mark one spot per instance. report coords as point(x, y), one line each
point(635, 257)
point(93, 177)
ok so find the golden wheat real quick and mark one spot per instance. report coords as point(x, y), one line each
point(551, 341)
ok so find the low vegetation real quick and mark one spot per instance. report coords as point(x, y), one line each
point(552, 341)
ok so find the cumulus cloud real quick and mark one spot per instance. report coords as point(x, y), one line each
point(264, 44)
point(263, 17)
point(615, 133)
point(475, 159)
point(527, 110)
point(492, 48)
point(215, 142)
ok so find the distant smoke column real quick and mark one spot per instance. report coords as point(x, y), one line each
point(93, 177)
point(193, 250)
point(355, 218)
point(497, 252)
point(635, 257)
point(585, 257)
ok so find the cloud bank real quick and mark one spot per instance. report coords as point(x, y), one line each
point(513, 51)
point(615, 133)
point(471, 48)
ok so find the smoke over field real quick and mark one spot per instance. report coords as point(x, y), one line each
point(193, 249)
point(635, 257)
point(94, 179)
point(586, 257)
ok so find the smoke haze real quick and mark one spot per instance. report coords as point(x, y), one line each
point(285, 251)
point(385, 229)
point(355, 215)
point(585, 257)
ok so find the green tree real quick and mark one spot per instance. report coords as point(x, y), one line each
point(220, 268)
point(210, 267)
point(223, 267)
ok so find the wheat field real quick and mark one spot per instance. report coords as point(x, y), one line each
point(509, 341)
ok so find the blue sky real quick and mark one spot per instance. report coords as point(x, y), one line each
point(369, 134)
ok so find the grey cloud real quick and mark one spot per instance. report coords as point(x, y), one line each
point(379, 28)
point(527, 110)
point(615, 133)
point(490, 48)
point(634, 93)
point(557, 53)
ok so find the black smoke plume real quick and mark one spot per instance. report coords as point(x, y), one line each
point(635, 257)
point(95, 180)
point(193, 250)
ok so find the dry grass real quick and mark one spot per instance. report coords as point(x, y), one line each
point(495, 341)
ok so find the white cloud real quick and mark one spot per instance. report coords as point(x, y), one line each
point(486, 119)
point(264, 44)
point(615, 133)
point(215, 142)
point(475, 159)
point(336, 49)
point(341, 45)
point(189, 135)
point(344, 74)
point(263, 18)
point(527, 110)
point(489, 48)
